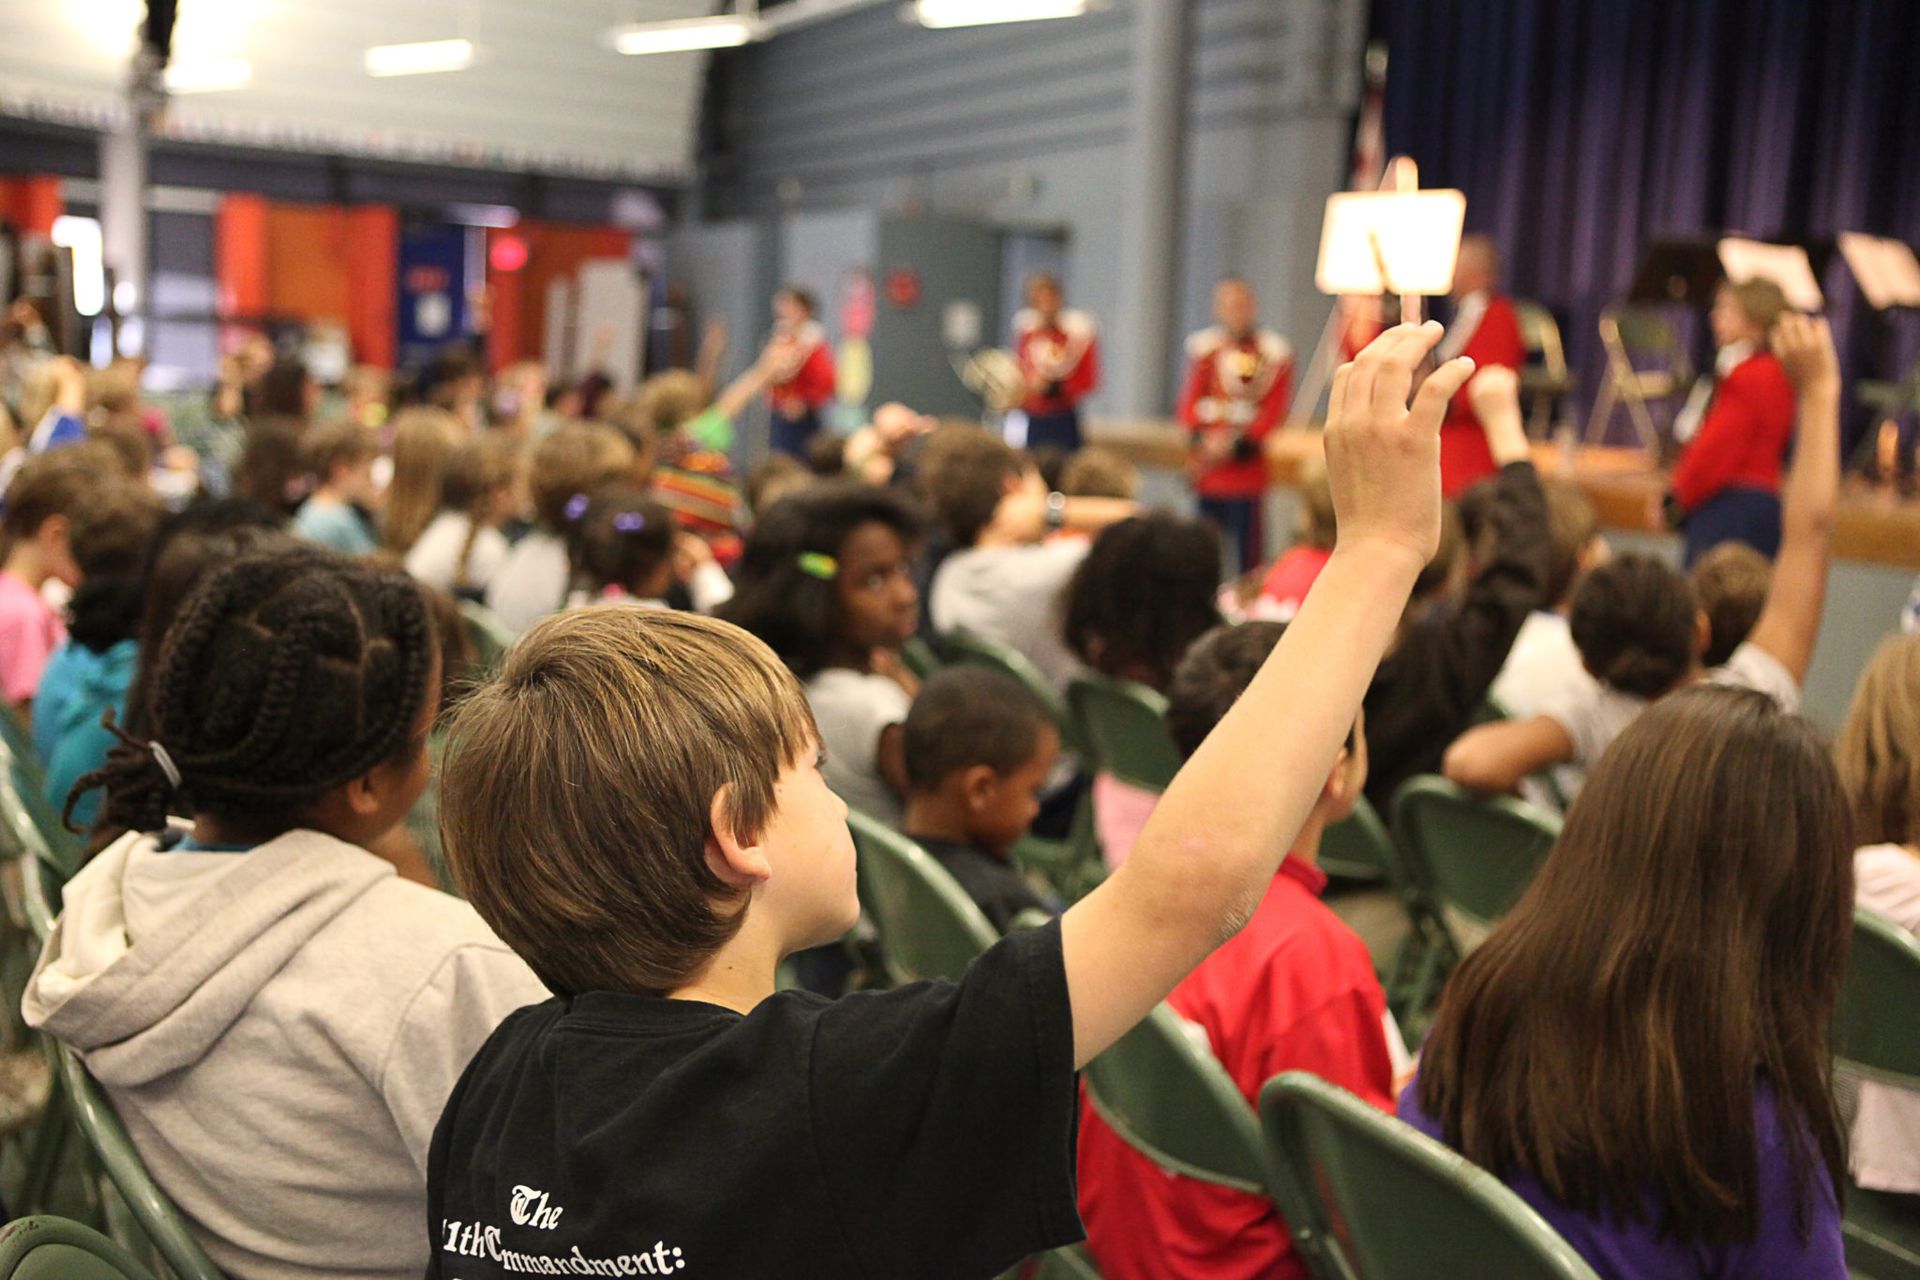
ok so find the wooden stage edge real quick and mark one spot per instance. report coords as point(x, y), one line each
point(1874, 526)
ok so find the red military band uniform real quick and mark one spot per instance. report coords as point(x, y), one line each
point(1063, 355)
point(1744, 435)
point(806, 380)
point(1464, 457)
point(1240, 385)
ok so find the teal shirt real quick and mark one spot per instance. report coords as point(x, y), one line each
point(337, 525)
point(77, 687)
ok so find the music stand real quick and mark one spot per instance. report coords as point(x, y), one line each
point(1677, 273)
point(1886, 269)
point(1786, 265)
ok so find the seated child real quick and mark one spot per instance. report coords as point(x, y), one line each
point(36, 529)
point(1293, 991)
point(340, 458)
point(1878, 757)
point(480, 493)
point(1544, 662)
point(626, 546)
point(260, 973)
point(1641, 1049)
point(979, 749)
point(827, 582)
point(670, 1109)
point(1640, 632)
point(572, 460)
point(1002, 580)
point(112, 527)
point(1287, 582)
point(1730, 585)
point(424, 442)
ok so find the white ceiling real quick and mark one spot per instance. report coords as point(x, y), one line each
point(547, 93)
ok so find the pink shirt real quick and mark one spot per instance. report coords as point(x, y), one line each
point(29, 633)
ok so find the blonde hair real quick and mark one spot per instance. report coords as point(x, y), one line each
point(1760, 299)
point(1316, 506)
point(477, 470)
point(667, 401)
point(1878, 750)
point(572, 460)
point(587, 855)
point(1097, 472)
point(423, 441)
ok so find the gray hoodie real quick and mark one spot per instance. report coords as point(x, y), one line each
point(281, 1048)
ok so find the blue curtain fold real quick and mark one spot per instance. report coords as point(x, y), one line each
point(1583, 130)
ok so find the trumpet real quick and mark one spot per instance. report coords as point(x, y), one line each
point(994, 374)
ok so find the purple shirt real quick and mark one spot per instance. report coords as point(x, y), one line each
point(1635, 1251)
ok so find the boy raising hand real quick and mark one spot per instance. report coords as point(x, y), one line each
point(673, 840)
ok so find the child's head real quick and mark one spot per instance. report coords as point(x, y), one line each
point(1636, 625)
point(773, 478)
point(1316, 527)
point(623, 541)
point(424, 440)
point(1143, 594)
point(1745, 311)
point(978, 743)
point(1878, 750)
point(572, 459)
point(1575, 545)
point(1044, 294)
point(295, 689)
point(669, 400)
point(1097, 472)
point(1211, 678)
point(36, 526)
point(966, 471)
point(1730, 585)
point(794, 305)
point(677, 795)
point(111, 530)
point(269, 470)
point(340, 457)
point(827, 576)
point(482, 479)
point(1695, 912)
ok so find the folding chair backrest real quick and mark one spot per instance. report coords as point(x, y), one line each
point(30, 831)
point(1124, 727)
point(1540, 332)
point(490, 637)
point(1875, 1031)
point(1360, 847)
point(919, 657)
point(48, 1248)
point(1369, 1197)
point(156, 1215)
point(1473, 854)
point(1168, 1097)
point(964, 646)
point(929, 927)
point(1643, 334)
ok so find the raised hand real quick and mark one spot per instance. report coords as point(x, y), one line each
point(1494, 393)
point(1804, 345)
point(1383, 458)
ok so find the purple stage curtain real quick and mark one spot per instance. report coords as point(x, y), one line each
point(1583, 130)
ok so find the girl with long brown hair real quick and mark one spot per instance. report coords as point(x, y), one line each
point(424, 440)
point(1641, 1047)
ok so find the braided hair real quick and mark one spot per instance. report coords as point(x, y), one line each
point(287, 674)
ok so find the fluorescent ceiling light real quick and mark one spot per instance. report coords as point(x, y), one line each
point(211, 75)
point(980, 13)
point(681, 35)
point(419, 58)
point(82, 236)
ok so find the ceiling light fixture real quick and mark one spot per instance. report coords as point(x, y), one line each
point(209, 75)
point(943, 14)
point(423, 57)
point(683, 35)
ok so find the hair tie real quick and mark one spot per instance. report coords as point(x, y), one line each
point(166, 764)
point(629, 522)
point(576, 506)
point(817, 564)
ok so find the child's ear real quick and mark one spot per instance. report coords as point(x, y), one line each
point(976, 786)
point(1702, 633)
point(54, 531)
point(739, 862)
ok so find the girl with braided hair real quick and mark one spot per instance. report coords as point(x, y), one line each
point(277, 1016)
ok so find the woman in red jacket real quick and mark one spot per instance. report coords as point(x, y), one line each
point(1726, 487)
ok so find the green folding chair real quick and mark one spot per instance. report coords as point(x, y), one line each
point(47, 1248)
point(1472, 855)
point(31, 832)
point(1370, 1198)
point(919, 657)
point(1361, 848)
point(1070, 1263)
point(161, 1224)
point(490, 637)
point(1124, 728)
point(1161, 1089)
point(965, 646)
point(928, 926)
point(1877, 1038)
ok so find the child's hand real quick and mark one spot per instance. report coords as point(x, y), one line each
point(1804, 345)
point(1494, 393)
point(690, 554)
point(1383, 459)
point(888, 663)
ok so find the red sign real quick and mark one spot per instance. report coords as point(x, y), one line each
point(903, 287)
point(426, 279)
point(507, 253)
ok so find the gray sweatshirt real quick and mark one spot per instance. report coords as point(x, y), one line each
point(281, 1046)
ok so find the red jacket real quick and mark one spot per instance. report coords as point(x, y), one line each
point(1242, 385)
point(1464, 457)
point(808, 381)
point(1065, 354)
point(1294, 990)
point(1743, 437)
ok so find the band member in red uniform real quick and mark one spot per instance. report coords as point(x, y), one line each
point(1059, 352)
point(1486, 329)
point(1737, 426)
point(803, 378)
point(1239, 379)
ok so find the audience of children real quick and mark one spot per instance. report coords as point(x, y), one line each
point(36, 529)
point(569, 462)
point(624, 545)
point(424, 441)
point(1294, 990)
point(979, 750)
point(481, 491)
point(1730, 585)
point(338, 512)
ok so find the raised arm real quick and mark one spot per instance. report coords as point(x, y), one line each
point(742, 391)
point(1495, 757)
point(1217, 836)
point(1789, 622)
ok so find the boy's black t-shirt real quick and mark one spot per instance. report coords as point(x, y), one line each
point(994, 884)
point(922, 1132)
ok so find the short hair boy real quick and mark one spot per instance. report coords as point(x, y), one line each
point(340, 457)
point(979, 748)
point(1730, 584)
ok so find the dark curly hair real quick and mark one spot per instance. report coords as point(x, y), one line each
point(286, 675)
point(797, 613)
point(1633, 622)
point(1143, 594)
